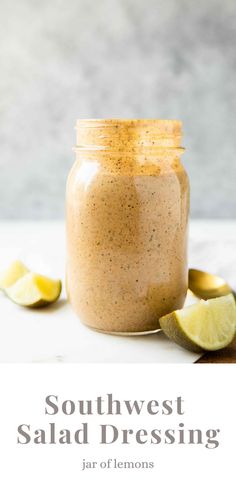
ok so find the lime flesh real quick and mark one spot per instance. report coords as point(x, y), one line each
point(13, 273)
point(34, 291)
point(207, 325)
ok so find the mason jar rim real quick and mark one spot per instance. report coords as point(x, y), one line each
point(164, 125)
point(128, 134)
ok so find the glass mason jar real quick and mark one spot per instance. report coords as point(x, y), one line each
point(127, 214)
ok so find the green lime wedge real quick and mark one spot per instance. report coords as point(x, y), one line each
point(207, 325)
point(34, 291)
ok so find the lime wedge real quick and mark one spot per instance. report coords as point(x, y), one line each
point(34, 291)
point(207, 325)
point(9, 276)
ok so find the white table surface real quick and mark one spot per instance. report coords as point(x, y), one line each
point(55, 334)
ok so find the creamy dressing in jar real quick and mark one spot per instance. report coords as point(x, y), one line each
point(127, 214)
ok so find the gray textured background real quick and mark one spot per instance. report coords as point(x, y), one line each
point(61, 60)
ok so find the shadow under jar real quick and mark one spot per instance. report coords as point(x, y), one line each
point(127, 214)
